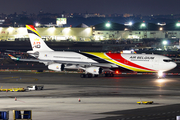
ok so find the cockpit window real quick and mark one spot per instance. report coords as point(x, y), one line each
point(167, 60)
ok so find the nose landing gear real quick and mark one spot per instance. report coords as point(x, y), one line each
point(160, 74)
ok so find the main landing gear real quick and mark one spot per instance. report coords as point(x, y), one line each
point(91, 75)
point(109, 74)
point(88, 75)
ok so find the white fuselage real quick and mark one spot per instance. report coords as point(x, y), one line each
point(134, 62)
point(94, 62)
point(64, 56)
point(151, 61)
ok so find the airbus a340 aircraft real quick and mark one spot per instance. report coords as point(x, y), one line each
point(94, 63)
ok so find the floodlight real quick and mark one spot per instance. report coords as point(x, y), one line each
point(165, 42)
point(178, 24)
point(143, 25)
point(108, 24)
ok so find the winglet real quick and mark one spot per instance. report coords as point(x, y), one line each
point(12, 57)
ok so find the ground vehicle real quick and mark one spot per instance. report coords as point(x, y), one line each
point(35, 87)
point(12, 90)
point(17, 90)
point(145, 102)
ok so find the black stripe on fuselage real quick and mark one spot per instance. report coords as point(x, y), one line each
point(30, 31)
point(97, 59)
point(100, 60)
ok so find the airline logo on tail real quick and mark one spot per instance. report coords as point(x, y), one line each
point(36, 41)
point(31, 29)
point(36, 45)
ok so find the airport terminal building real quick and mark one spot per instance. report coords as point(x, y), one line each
point(102, 31)
point(48, 34)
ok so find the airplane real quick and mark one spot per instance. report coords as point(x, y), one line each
point(94, 63)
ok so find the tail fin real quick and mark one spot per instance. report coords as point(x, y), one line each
point(36, 41)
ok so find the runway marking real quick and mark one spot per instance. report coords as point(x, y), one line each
point(21, 79)
point(10, 77)
point(21, 101)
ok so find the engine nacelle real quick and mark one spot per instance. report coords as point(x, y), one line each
point(56, 67)
point(94, 70)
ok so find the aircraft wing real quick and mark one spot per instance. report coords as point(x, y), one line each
point(19, 59)
point(104, 65)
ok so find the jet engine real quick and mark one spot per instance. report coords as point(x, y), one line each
point(56, 67)
point(94, 70)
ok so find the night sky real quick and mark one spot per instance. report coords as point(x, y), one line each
point(144, 7)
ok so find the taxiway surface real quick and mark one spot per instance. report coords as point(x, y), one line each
point(101, 98)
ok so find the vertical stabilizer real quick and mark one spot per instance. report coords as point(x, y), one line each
point(37, 42)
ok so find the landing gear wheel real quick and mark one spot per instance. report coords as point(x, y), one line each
point(160, 74)
point(96, 75)
point(89, 75)
point(106, 74)
point(111, 75)
point(82, 75)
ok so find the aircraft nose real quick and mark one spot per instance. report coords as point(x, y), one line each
point(173, 65)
